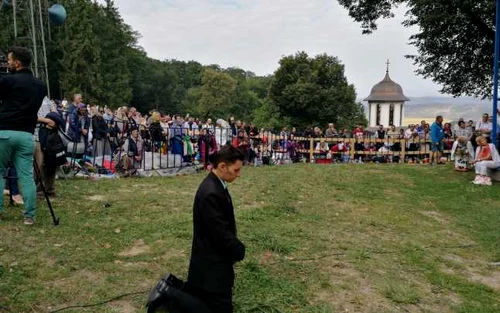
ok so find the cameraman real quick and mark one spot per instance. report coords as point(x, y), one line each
point(21, 95)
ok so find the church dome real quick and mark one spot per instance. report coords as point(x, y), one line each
point(387, 91)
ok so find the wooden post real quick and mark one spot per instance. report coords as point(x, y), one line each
point(352, 148)
point(311, 150)
point(402, 142)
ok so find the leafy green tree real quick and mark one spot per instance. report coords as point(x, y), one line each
point(217, 93)
point(184, 76)
point(141, 67)
point(313, 91)
point(246, 100)
point(190, 103)
point(7, 30)
point(267, 116)
point(454, 40)
point(81, 53)
point(259, 84)
point(94, 46)
point(115, 38)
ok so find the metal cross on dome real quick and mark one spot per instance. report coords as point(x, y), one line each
point(388, 63)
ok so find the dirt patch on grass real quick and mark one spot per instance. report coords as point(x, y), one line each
point(123, 306)
point(50, 261)
point(139, 247)
point(349, 291)
point(437, 216)
point(352, 291)
point(392, 193)
point(173, 254)
point(491, 279)
point(178, 192)
point(131, 264)
point(251, 205)
point(78, 278)
point(96, 198)
point(401, 179)
point(472, 269)
point(267, 257)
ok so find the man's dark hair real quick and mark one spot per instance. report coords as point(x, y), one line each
point(227, 154)
point(22, 55)
point(439, 117)
point(461, 123)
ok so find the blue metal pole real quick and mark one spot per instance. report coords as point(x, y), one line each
point(495, 73)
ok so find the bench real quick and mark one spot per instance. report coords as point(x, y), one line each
point(495, 174)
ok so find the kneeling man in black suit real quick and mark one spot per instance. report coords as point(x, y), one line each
point(215, 247)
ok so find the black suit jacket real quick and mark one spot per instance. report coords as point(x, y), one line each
point(215, 245)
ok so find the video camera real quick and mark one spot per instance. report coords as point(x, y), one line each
point(3, 65)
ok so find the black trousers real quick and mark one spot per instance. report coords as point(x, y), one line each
point(195, 300)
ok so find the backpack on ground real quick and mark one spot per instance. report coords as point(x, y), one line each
point(52, 146)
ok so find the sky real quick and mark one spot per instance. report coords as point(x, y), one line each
point(255, 34)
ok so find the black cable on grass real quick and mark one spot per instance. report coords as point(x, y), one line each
point(99, 303)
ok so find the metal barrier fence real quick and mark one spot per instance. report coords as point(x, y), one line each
point(110, 147)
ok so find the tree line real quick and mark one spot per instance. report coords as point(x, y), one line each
point(97, 54)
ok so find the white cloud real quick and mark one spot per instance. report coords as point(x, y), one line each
point(254, 34)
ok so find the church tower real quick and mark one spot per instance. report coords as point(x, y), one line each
point(386, 103)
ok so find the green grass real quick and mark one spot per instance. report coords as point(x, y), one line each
point(320, 238)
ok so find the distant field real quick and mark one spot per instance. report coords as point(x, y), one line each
point(320, 238)
point(430, 120)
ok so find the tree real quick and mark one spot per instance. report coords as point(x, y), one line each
point(115, 38)
point(454, 42)
point(89, 54)
point(7, 33)
point(313, 91)
point(267, 116)
point(81, 53)
point(217, 93)
point(248, 97)
point(184, 76)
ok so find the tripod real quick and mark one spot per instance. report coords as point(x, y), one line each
point(55, 219)
point(9, 179)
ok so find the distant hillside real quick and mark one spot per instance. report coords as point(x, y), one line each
point(451, 108)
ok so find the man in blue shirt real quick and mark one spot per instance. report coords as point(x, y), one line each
point(437, 136)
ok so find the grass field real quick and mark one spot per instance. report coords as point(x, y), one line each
point(320, 238)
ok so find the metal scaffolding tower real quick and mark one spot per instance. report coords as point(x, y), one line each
point(494, 135)
point(31, 26)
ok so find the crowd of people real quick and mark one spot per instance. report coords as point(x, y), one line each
point(130, 133)
point(126, 135)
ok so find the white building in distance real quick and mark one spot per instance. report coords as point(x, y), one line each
point(386, 103)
